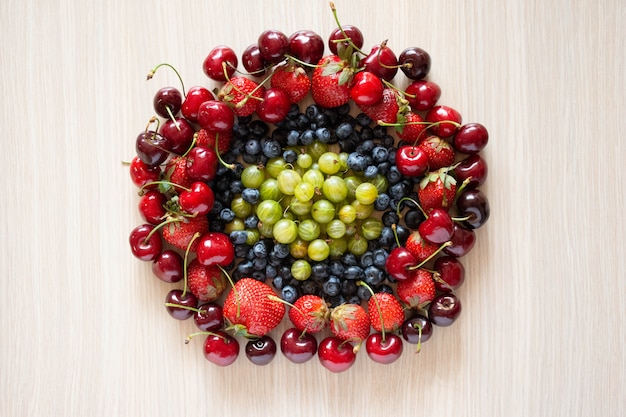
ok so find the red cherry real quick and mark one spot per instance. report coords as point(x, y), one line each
point(335, 354)
point(168, 267)
point(216, 116)
point(451, 273)
point(180, 304)
point(307, 46)
point(202, 163)
point(463, 241)
point(338, 35)
point(213, 65)
point(221, 348)
point(215, 248)
point(472, 169)
point(274, 107)
point(151, 206)
point(297, 346)
point(411, 160)
point(398, 260)
point(141, 174)
point(195, 97)
point(422, 95)
point(143, 247)
point(179, 134)
point(441, 114)
point(471, 138)
point(209, 317)
point(198, 200)
point(381, 62)
point(384, 351)
point(437, 228)
point(367, 89)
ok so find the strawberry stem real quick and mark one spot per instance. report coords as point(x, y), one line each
point(154, 70)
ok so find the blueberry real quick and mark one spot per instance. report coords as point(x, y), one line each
point(387, 141)
point(353, 272)
point(380, 257)
point(292, 137)
point(251, 222)
point(259, 264)
point(344, 130)
point(348, 288)
point(332, 286)
point(384, 288)
point(270, 271)
point(323, 135)
point(227, 215)
point(271, 149)
point(394, 176)
point(281, 250)
point(382, 202)
point(260, 249)
point(307, 137)
point(366, 260)
point(320, 270)
point(245, 267)
point(290, 156)
point(390, 217)
point(357, 162)
point(387, 237)
point(363, 119)
point(349, 259)
point(380, 154)
point(258, 128)
point(238, 237)
point(253, 147)
point(309, 287)
point(373, 276)
point(370, 172)
point(289, 293)
point(336, 268)
point(413, 218)
point(363, 293)
point(236, 187)
point(251, 195)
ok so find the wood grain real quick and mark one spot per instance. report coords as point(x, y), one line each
point(542, 330)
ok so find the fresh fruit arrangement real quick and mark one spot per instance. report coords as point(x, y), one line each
point(313, 187)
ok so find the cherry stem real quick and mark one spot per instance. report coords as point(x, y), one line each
point(153, 119)
point(425, 261)
point(172, 117)
point(219, 156)
point(197, 310)
point(232, 284)
point(419, 338)
point(380, 311)
point(463, 185)
point(247, 95)
point(393, 87)
point(412, 201)
point(154, 70)
point(194, 237)
point(305, 64)
point(191, 336)
point(380, 50)
point(142, 190)
point(159, 226)
point(395, 234)
point(346, 37)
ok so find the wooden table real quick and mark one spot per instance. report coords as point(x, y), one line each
point(84, 331)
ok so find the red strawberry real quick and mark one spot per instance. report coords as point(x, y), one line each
point(251, 309)
point(207, 139)
point(391, 312)
point(411, 127)
point(417, 291)
point(440, 153)
point(386, 110)
point(350, 322)
point(180, 231)
point(331, 81)
point(310, 313)
point(437, 190)
point(207, 283)
point(241, 92)
point(419, 247)
point(293, 80)
point(176, 172)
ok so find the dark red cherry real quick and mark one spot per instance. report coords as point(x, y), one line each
point(220, 64)
point(179, 134)
point(336, 355)
point(168, 267)
point(471, 138)
point(463, 241)
point(143, 247)
point(152, 148)
point(307, 46)
point(450, 273)
point(209, 317)
point(472, 169)
point(417, 329)
point(252, 61)
point(195, 97)
point(383, 350)
point(261, 351)
point(167, 102)
point(473, 203)
point(180, 304)
point(382, 62)
point(297, 346)
point(444, 310)
point(422, 95)
point(273, 45)
point(414, 63)
point(221, 348)
point(338, 35)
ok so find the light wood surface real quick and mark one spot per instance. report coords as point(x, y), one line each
point(82, 327)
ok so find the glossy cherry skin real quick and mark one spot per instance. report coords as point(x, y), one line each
point(473, 203)
point(152, 148)
point(336, 355)
point(415, 63)
point(209, 317)
point(219, 60)
point(179, 134)
point(252, 60)
point(471, 138)
point(417, 329)
point(215, 248)
point(261, 351)
point(151, 206)
point(195, 97)
point(167, 98)
point(411, 160)
point(444, 310)
point(168, 267)
point(422, 95)
point(221, 348)
point(198, 200)
point(216, 116)
point(472, 169)
point(297, 346)
point(142, 249)
point(384, 351)
point(202, 163)
point(437, 228)
point(273, 45)
point(463, 241)
point(398, 260)
point(451, 273)
point(141, 174)
point(439, 115)
point(367, 89)
point(381, 61)
point(274, 107)
point(307, 46)
point(351, 32)
point(183, 300)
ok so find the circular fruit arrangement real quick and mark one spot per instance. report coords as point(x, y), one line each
point(309, 186)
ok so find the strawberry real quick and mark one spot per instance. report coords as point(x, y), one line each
point(176, 172)
point(437, 190)
point(411, 127)
point(241, 93)
point(207, 283)
point(331, 81)
point(417, 291)
point(251, 308)
point(293, 80)
point(419, 247)
point(350, 322)
point(309, 313)
point(386, 110)
point(440, 153)
point(180, 231)
point(391, 314)
point(207, 139)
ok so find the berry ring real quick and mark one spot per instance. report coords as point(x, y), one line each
point(309, 187)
